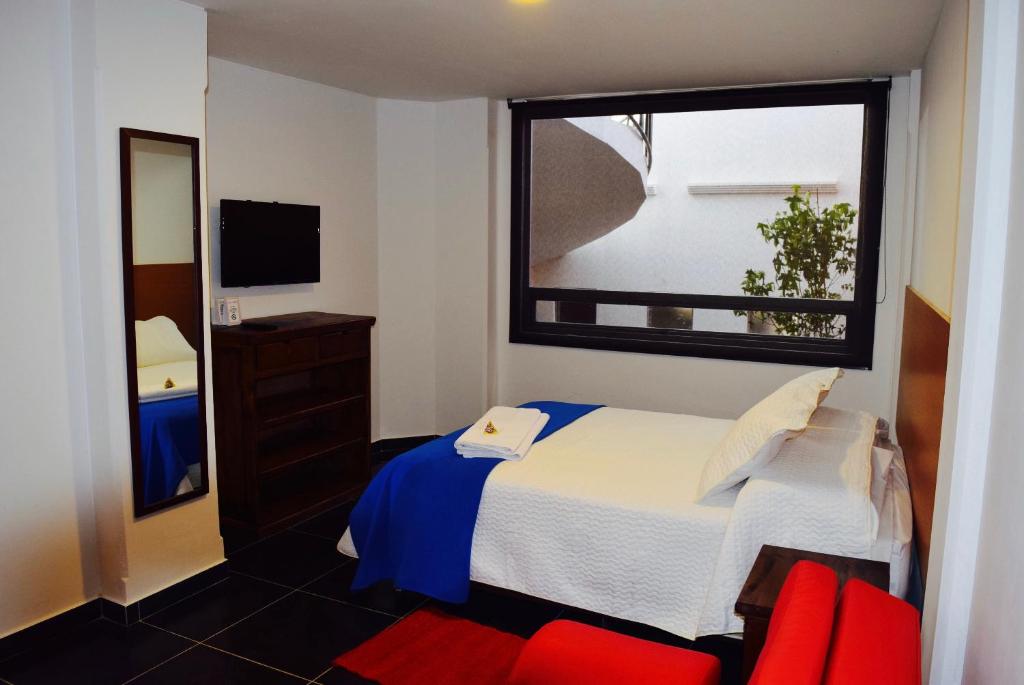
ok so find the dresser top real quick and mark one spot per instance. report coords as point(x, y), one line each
point(288, 325)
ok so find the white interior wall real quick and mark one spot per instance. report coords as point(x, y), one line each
point(278, 138)
point(943, 79)
point(461, 250)
point(936, 219)
point(681, 384)
point(408, 275)
point(403, 193)
point(993, 653)
point(47, 531)
point(433, 223)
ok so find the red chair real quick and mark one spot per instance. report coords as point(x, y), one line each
point(570, 653)
point(796, 647)
point(875, 639)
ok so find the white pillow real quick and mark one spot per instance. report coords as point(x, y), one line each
point(158, 341)
point(757, 436)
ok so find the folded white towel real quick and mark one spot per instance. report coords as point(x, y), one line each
point(515, 430)
point(518, 454)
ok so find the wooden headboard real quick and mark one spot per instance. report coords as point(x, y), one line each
point(168, 290)
point(919, 408)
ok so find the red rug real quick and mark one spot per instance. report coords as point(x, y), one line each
point(430, 646)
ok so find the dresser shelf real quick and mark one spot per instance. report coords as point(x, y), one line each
point(273, 461)
point(276, 411)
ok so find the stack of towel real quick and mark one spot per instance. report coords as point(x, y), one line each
point(503, 433)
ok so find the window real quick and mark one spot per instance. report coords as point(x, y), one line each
point(741, 224)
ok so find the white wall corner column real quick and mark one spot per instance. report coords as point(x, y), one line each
point(139, 65)
point(461, 253)
point(434, 238)
point(991, 138)
point(407, 274)
point(48, 526)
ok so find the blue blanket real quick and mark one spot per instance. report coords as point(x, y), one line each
point(169, 437)
point(414, 524)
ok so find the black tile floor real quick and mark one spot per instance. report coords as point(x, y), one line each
point(282, 614)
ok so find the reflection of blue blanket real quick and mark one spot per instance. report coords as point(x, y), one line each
point(414, 524)
point(169, 432)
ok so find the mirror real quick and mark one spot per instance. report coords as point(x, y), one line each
point(163, 300)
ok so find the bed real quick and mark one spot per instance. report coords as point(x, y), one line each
point(168, 408)
point(602, 515)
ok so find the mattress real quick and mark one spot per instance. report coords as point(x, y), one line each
point(602, 516)
point(152, 380)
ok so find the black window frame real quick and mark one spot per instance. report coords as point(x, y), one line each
point(853, 351)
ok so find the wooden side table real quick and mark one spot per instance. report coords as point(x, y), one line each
point(757, 599)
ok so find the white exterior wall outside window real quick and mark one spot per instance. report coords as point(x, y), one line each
point(689, 242)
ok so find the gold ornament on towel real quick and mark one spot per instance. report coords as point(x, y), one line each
point(168, 384)
point(490, 429)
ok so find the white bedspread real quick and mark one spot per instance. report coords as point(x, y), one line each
point(601, 516)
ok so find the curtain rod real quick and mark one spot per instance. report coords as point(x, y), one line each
point(629, 93)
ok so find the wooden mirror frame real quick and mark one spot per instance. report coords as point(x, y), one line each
point(128, 266)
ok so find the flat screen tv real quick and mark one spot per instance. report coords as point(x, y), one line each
point(268, 243)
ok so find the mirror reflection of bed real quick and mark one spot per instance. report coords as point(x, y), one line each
point(163, 291)
point(168, 410)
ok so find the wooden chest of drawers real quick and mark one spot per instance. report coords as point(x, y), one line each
point(292, 416)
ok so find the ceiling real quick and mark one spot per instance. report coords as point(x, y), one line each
point(444, 49)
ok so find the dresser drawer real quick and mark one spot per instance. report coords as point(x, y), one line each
point(345, 344)
point(283, 354)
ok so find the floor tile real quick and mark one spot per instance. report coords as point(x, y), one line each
point(381, 597)
point(331, 524)
point(205, 666)
point(289, 558)
point(217, 607)
point(100, 653)
point(339, 676)
point(302, 633)
point(159, 601)
point(505, 611)
point(235, 541)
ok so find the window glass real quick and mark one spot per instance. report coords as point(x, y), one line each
point(599, 219)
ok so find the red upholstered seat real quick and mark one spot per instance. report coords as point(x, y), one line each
point(877, 639)
point(800, 629)
point(570, 653)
